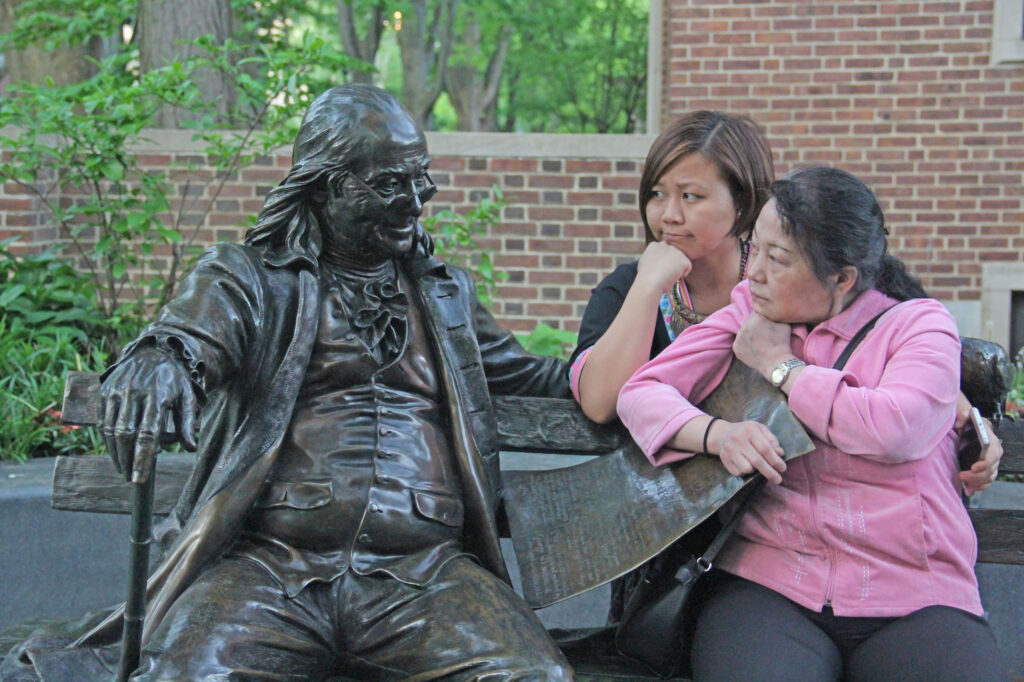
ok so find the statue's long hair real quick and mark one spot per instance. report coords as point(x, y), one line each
point(289, 225)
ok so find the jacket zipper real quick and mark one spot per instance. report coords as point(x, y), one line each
point(829, 552)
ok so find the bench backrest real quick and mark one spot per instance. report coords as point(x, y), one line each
point(546, 425)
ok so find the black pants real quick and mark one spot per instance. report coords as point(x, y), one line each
point(749, 632)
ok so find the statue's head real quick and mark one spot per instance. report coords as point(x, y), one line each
point(358, 180)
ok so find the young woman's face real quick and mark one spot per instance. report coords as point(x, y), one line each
point(691, 207)
point(782, 284)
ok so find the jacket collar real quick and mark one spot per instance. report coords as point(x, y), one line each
point(868, 304)
point(422, 265)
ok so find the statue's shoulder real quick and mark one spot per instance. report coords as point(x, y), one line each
point(244, 262)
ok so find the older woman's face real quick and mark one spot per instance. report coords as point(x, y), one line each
point(782, 284)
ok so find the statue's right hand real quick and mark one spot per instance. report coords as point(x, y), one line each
point(141, 395)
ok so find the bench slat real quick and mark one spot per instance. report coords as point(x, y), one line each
point(1000, 535)
point(1011, 432)
point(548, 425)
point(552, 425)
point(92, 484)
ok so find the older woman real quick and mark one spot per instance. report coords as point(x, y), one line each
point(857, 562)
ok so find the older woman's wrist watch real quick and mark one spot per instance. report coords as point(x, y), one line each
point(782, 370)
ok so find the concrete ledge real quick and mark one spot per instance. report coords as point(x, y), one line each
point(64, 564)
point(55, 563)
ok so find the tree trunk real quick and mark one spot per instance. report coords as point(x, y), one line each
point(362, 47)
point(162, 24)
point(34, 64)
point(423, 64)
point(474, 98)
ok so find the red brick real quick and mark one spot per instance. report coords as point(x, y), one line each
point(551, 277)
point(578, 166)
point(555, 310)
point(514, 165)
point(552, 181)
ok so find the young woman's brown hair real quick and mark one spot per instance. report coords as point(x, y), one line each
point(732, 142)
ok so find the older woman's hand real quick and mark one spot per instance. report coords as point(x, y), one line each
point(761, 343)
point(983, 472)
point(745, 447)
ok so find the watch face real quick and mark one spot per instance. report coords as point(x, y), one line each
point(778, 375)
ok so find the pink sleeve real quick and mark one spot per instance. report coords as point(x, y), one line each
point(659, 399)
point(896, 398)
point(574, 373)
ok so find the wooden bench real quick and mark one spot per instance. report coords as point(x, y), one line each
point(532, 425)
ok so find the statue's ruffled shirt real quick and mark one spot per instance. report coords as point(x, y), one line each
point(377, 309)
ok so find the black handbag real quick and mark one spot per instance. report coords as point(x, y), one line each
point(658, 619)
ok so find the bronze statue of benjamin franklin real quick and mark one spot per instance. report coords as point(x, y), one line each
point(335, 381)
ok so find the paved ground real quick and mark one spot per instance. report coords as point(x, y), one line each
point(62, 564)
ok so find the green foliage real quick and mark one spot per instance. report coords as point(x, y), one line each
point(130, 228)
point(577, 66)
point(572, 66)
point(75, 142)
point(546, 340)
point(455, 241)
point(52, 23)
point(31, 385)
point(48, 321)
point(1015, 400)
point(42, 295)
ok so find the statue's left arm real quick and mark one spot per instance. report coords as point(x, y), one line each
point(509, 368)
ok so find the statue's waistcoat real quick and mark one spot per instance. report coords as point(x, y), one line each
point(365, 479)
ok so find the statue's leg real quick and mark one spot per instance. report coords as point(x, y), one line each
point(465, 624)
point(235, 622)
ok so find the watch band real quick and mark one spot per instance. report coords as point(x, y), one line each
point(782, 370)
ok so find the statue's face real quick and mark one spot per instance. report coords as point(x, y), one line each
point(372, 212)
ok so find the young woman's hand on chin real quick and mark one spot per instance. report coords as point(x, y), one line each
point(661, 265)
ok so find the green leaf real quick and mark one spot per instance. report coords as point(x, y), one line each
point(113, 170)
point(11, 293)
point(172, 236)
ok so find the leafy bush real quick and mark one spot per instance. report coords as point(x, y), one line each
point(71, 149)
point(31, 387)
point(49, 323)
point(455, 241)
point(546, 340)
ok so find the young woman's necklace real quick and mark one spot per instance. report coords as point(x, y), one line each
point(683, 314)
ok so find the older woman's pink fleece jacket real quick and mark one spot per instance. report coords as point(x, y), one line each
point(871, 522)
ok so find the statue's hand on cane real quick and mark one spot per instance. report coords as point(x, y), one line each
point(146, 401)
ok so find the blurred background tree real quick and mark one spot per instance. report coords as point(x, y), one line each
point(571, 66)
point(84, 84)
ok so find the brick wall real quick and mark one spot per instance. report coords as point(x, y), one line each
point(901, 94)
point(570, 216)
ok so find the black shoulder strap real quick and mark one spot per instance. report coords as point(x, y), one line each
point(704, 562)
point(857, 338)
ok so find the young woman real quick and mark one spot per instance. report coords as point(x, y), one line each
point(700, 192)
point(857, 561)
